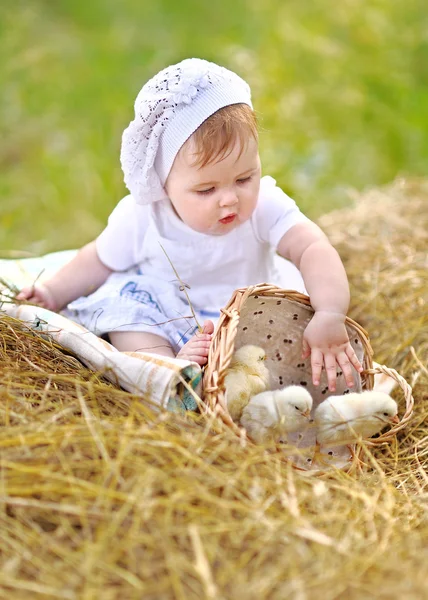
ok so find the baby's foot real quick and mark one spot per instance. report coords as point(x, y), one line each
point(197, 347)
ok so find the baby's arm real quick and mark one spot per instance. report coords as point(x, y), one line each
point(81, 276)
point(325, 338)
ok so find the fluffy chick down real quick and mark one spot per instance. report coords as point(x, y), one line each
point(272, 414)
point(246, 376)
point(345, 418)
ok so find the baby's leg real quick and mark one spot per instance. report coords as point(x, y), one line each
point(195, 350)
point(140, 341)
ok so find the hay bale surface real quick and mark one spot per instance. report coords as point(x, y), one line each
point(101, 497)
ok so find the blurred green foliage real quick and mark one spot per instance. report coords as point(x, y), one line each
point(341, 90)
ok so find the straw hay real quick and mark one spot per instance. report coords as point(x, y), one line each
point(101, 497)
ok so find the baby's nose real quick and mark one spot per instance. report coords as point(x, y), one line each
point(229, 198)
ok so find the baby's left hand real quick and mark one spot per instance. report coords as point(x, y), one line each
point(326, 341)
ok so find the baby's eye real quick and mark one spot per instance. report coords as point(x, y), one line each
point(386, 414)
point(297, 408)
point(205, 192)
point(244, 179)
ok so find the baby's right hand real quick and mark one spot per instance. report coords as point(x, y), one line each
point(38, 294)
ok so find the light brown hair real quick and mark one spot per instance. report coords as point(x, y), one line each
point(217, 136)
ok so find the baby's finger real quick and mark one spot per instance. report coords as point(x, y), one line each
point(200, 359)
point(208, 327)
point(346, 367)
point(316, 364)
point(25, 294)
point(330, 368)
point(200, 343)
point(353, 358)
point(203, 337)
point(306, 349)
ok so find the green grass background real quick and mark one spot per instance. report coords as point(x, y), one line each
point(341, 89)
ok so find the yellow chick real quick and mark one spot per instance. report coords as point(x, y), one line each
point(246, 376)
point(345, 418)
point(270, 415)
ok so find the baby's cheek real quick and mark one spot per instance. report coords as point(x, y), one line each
point(202, 224)
point(248, 208)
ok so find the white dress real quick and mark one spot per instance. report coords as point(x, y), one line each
point(143, 293)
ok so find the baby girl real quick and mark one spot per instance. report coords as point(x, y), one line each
point(198, 200)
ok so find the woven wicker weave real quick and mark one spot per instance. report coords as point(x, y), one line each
point(275, 319)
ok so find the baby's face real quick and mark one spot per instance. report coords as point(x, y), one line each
point(218, 197)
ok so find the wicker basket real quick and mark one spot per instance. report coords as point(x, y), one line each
point(275, 319)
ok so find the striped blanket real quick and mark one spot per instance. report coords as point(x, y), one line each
point(171, 383)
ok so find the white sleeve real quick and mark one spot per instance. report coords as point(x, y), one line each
point(119, 245)
point(275, 213)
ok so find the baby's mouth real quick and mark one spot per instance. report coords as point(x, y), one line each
point(228, 219)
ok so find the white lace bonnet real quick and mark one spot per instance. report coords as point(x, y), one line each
point(168, 109)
